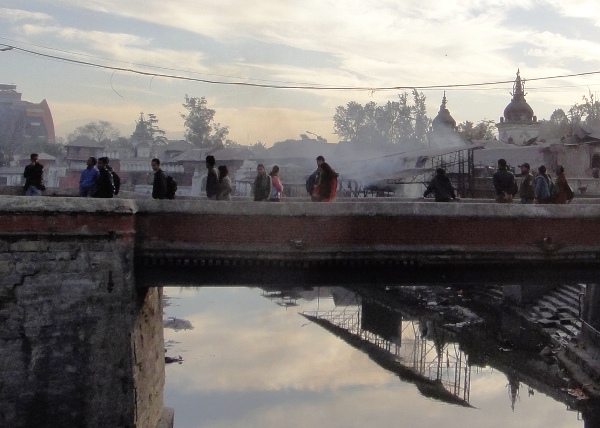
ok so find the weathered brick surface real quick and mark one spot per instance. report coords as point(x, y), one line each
point(71, 320)
point(442, 232)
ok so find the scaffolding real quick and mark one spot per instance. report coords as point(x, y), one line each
point(459, 166)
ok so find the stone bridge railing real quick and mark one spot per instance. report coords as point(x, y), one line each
point(377, 231)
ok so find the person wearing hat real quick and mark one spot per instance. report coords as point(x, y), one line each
point(504, 183)
point(527, 190)
point(441, 187)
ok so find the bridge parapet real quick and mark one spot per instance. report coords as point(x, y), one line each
point(417, 232)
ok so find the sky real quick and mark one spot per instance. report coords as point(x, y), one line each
point(363, 46)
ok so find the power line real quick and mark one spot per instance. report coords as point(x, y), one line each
point(137, 64)
point(294, 86)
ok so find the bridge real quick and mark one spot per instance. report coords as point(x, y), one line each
point(80, 290)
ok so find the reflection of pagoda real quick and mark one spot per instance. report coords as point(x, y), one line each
point(518, 125)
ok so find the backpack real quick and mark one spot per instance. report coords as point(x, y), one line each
point(171, 187)
point(116, 180)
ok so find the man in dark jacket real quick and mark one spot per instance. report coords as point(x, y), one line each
point(159, 185)
point(104, 183)
point(504, 183)
point(33, 177)
point(441, 187)
point(212, 178)
point(527, 186)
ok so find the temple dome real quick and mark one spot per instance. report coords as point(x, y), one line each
point(443, 118)
point(518, 110)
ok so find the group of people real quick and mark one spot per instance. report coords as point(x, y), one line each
point(540, 189)
point(321, 185)
point(97, 180)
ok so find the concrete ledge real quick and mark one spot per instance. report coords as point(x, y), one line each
point(373, 208)
point(46, 205)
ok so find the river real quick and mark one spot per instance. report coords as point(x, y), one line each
point(317, 357)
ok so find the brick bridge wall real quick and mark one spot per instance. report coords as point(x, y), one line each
point(423, 233)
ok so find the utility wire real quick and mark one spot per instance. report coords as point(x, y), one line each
point(138, 64)
point(272, 86)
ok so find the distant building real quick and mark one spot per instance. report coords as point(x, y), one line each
point(78, 152)
point(519, 125)
point(39, 125)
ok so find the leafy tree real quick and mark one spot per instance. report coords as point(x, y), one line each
point(200, 128)
point(13, 124)
point(348, 120)
point(588, 111)
point(258, 148)
point(101, 132)
point(396, 122)
point(557, 126)
point(484, 130)
point(157, 134)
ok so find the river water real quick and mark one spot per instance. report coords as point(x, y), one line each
point(319, 357)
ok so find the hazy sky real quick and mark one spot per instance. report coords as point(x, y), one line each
point(380, 43)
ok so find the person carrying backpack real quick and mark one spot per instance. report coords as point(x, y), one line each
point(105, 187)
point(159, 185)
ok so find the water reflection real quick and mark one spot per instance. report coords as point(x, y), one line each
point(267, 358)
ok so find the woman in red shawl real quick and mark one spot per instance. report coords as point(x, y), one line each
point(325, 189)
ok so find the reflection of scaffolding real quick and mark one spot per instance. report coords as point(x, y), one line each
point(282, 298)
point(459, 166)
point(439, 370)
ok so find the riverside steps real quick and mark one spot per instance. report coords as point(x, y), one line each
point(81, 338)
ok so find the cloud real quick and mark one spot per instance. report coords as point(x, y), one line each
point(15, 15)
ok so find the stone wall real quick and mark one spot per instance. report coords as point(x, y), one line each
point(75, 335)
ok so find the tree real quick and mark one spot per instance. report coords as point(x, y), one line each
point(101, 132)
point(484, 130)
point(588, 111)
point(258, 148)
point(557, 126)
point(157, 134)
point(200, 128)
point(396, 122)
